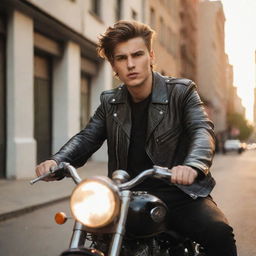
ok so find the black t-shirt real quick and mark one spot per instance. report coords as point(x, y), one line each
point(138, 159)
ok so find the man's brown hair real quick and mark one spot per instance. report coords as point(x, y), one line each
point(122, 31)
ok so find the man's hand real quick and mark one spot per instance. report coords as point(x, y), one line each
point(183, 175)
point(44, 167)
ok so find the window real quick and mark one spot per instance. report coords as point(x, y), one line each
point(134, 15)
point(162, 31)
point(118, 9)
point(42, 106)
point(152, 18)
point(169, 39)
point(85, 100)
point(95, 7)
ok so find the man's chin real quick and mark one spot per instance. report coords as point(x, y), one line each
point(134, 83)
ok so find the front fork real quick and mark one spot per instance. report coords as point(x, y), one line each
point(117, 239)
point(79, 236)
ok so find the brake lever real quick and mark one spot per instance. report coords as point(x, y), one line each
point(32, 182)
point(58, 171)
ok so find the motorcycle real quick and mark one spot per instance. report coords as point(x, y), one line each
point(112, 220)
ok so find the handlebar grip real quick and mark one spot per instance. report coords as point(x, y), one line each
point(162, 172)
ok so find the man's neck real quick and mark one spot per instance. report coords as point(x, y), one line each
point(141, 91)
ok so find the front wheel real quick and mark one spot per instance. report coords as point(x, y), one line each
point(82, 252)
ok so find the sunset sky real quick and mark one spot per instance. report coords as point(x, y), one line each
point(240, 46)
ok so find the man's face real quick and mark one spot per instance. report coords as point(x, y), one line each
point(132, 62)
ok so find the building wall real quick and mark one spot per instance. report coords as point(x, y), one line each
point(238, 106)
point(230, 91)
point(20, 116)
point(163, 17)
point(211, 61)
point(188, 33)
point(234, 103)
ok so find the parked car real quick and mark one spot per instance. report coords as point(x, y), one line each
point(233, 145)
point(251, 146)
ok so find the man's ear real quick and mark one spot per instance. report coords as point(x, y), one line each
point(152, 57)
point(113, 66)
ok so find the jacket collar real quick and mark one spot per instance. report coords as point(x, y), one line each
point(159, 91)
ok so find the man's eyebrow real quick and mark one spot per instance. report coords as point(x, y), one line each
point(120, 55)
point(138, 51)
point(123, 54)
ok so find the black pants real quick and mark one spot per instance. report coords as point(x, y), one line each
point(200, 220)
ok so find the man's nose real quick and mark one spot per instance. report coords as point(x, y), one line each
point(130, 63)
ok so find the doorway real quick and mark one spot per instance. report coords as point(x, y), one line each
point(85, 101)
point(42, 107)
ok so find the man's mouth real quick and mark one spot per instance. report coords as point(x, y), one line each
point(132, 75)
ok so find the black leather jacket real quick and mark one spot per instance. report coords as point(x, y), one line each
point(179, 131)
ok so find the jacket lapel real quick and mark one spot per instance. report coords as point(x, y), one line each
point(158, 106)
point(122, 112)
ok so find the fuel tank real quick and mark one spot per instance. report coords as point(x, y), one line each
point(147, 215)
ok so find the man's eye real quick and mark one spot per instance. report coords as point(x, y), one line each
point(120, 58)
point(138, 54)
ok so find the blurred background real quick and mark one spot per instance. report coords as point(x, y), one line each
point(51, 79)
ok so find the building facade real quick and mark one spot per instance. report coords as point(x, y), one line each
point(163, 17)
point(211, 64)
point(50, 74)
point(189, 37)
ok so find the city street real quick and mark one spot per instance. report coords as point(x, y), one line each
point(235, 194)
point(36, 233)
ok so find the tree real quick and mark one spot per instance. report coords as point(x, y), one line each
point(237, 121)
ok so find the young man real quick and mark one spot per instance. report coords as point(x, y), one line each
point(155, 120)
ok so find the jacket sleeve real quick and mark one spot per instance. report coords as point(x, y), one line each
point(200, 131)
point(81, 146)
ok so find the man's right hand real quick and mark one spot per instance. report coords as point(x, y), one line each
point(44, 167)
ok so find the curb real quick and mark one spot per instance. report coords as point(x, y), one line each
point(17, 213)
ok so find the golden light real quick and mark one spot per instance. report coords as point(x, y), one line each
point(94, 204)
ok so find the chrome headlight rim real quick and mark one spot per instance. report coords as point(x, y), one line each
point(107, 182)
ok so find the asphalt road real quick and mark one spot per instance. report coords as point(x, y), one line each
point(235, 194)
point(36, 233)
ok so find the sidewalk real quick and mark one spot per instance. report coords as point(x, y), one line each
point(18, 196)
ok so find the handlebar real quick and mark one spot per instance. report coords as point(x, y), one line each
point(60, 171)
point(67, 170)
point(157, 172)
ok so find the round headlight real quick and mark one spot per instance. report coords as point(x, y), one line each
point(95, 202)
